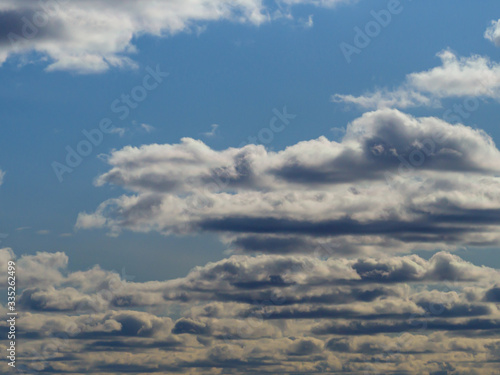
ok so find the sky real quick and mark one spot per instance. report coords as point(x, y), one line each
point(288, 186)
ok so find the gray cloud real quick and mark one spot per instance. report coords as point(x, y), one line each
point(493, 295)
point(265, 313)
point(369, 328)
point(190, 327)
point(17, 28)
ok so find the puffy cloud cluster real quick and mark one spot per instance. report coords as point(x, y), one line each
point(394, 183)
point(268, 313)
point(91, 36)
point(474, 76)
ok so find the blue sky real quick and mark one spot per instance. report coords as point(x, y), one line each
point(213, 186)
point(255, 70)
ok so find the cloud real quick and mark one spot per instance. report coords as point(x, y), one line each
point(369, 328)
point(119, 131)
point(474, 76)
point(307, 23)
point(6, 255)
point(402, 97)
point(492, 33)
point(42, 269)
point(92, 36)
point(190, 327)
point(147, 128)
point(305, 347)
point(493, 295)
point(63, 299)
point(267, 313)
point(2, 175)
point(394, 183)
point(458, 77)
point(211, 133)
point(282, 280)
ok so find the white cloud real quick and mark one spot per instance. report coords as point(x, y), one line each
point(474, 76)
point(394, 183)
point(2, 175)
point(492, 33)
point(42, 269)
point(384, 98)
point(466, 76)
point(92, 36)
point(119, 131)
point(322, 3)
point(147, 128)
point(213, 130)
point(308, 23)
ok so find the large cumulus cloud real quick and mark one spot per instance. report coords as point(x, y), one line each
point(90, 36)
point(394, 182)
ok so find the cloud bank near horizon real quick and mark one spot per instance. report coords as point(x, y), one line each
point(269, 313)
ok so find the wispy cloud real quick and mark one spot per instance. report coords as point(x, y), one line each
point(492, 33)
point(212, 132)
point(307, 23)
point(147, 128)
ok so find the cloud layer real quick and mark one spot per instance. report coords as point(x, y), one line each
point(267, 314)
point(394, 183)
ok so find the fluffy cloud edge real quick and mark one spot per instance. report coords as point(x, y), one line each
point(394, 181)
point(456, 77)
point(92, 37)
point(492, 33)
